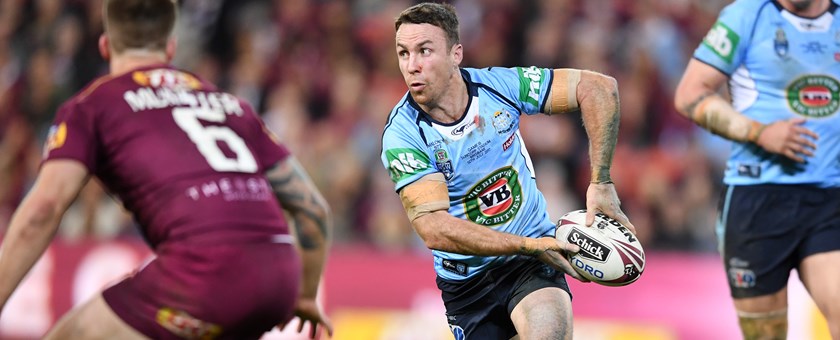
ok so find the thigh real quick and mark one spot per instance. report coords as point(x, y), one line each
point(820, 273)
point(93, 320)
point(760, 234)
point(544, 314)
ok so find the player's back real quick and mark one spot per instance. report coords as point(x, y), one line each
point(186, 159)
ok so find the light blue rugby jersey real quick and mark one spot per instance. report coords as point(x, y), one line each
point(780, 66)
point(488, 170)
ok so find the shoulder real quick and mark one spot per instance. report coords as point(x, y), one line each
point(745, 9)
point(402, 117)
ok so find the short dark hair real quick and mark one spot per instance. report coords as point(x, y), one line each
point(140, 24)
point(440, 15)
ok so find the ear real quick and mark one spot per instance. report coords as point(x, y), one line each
point(104, 47)
point(171, 46)
point(457, 54)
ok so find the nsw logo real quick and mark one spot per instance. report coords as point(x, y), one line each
point(496, 199)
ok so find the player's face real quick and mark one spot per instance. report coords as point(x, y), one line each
point(427, 64)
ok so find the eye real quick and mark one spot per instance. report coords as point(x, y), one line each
point(425, 51)
point(402, 53)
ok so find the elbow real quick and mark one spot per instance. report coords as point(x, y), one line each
point(40, 215)
point(430, 235)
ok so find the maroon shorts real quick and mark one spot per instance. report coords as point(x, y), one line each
point(200, 290)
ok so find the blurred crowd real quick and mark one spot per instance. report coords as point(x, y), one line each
point(323, 74)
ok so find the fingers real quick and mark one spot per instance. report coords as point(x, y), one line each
point(590, 217)
point(313, 329)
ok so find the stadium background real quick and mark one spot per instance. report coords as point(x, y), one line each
point(323, 75)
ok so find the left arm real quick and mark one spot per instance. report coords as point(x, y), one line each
point(596, 96)
point(311, 222)
point(36, 221)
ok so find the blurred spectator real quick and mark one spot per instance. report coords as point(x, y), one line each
point(323, 75)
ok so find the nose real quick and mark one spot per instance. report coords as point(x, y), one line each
point(413, 65)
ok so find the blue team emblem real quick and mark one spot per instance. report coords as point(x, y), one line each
point(444, 164)
point(780, 43)
point(502, 122)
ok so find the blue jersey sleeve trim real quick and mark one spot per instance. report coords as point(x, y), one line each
point(497, 93)
point(713, 66)
point(550, 81)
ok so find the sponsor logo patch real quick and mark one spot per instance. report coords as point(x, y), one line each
point(456, 267)
point(814, 96)
point(780, 43)
point(508, 142)
point(404, 162)
point(722, 40)
point(741, 278)
point(186, 326)
point(530, 83)
point(444, 164)
point(165, 78)
point(496, 199)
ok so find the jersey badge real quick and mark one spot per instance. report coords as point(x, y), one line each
point(502, 122)
point(444, 164)
point(780, 43)
point(814, 96)
point(496, 199)
point(56, 137)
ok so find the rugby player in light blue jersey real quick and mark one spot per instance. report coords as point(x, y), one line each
point(781, 207)
point(453, 148)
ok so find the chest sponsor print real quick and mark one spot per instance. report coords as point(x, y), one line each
point(496, 199)
point(814, 96)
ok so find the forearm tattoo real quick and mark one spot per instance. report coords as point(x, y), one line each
point(299, 196)
point(602, 153)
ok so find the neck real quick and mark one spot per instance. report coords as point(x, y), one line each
point(132, 59)
point(451, 106)
point(806, 8)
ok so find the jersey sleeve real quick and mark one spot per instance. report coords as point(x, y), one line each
point(526, 87)
point(726, 42)
point(73, 136)
point(404, 155)
point(265, 144)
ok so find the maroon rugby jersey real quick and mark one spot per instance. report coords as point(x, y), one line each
point(184, 157)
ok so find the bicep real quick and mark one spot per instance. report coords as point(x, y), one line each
point(699, 79)
point(426, 196)
point(293, 187)
point(59, 182)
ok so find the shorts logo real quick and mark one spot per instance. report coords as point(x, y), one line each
point(458, 332)
point(496, 199)
point(741, 278)
point(404, 162)
point(814, 96)
point(722, 40)
point(530, 83)
point(186, 326)
point(503, 122)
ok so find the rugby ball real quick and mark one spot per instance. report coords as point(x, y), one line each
point(609, 253)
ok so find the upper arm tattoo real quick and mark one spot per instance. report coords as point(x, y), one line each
point(298, 194)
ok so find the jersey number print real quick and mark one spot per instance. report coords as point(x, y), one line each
point(206, 138)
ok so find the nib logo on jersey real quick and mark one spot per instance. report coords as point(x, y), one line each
point(496, 199)
point(589, 248)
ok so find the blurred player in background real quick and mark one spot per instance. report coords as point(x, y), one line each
point(453, 148)
point(203, 178)
point(781, 207)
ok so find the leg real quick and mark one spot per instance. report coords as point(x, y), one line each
point(544, 314)
point(92, 320)
point(821, 276)
point(763, 317)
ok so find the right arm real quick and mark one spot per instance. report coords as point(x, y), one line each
point(696, 98)
point(426, 202)
point(310, 216)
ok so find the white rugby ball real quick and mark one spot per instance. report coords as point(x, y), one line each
point(609, 253)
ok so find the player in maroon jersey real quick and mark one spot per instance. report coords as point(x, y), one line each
point(203, 178)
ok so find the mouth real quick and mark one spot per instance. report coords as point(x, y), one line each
point(416, 86)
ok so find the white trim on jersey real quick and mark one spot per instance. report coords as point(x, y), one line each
point(462, 129)
point(744, 91)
